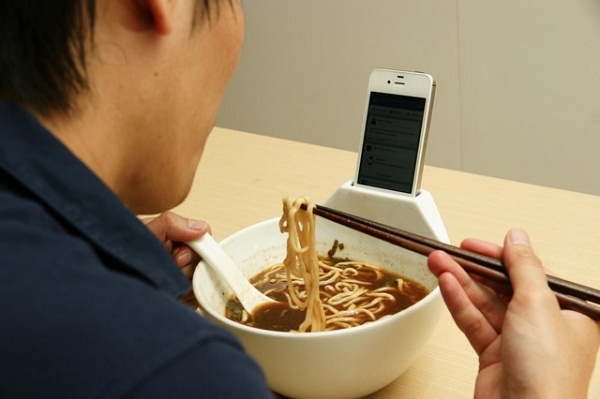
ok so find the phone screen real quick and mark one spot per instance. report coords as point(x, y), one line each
point(391, 141)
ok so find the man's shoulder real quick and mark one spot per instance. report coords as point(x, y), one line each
point(71, 323)
point(93, 331)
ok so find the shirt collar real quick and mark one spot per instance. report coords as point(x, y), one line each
point(41, 163)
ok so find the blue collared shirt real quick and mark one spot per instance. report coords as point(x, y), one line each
point(88, 296)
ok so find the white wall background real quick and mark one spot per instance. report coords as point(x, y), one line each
point(518, 81)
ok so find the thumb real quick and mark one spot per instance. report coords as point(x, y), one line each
point(524, 267)
point(171, 227)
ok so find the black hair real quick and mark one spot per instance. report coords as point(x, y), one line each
point(43, 48)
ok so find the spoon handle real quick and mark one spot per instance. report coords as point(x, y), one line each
point(215, 257)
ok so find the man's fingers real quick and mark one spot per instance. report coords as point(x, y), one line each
point(477, 311)
point(169, 226)
point(482, 247)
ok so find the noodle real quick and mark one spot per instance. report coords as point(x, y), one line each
point(301, 261)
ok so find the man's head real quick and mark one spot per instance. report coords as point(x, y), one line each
point(132, 87)
point(44, 47)
point(42, 51)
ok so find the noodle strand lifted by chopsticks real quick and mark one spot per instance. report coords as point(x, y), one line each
point(301, 261)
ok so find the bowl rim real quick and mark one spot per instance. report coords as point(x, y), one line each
point(433, 295)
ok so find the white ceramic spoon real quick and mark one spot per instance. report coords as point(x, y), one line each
point(215, 257)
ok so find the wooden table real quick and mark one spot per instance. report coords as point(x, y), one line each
point(243, 176)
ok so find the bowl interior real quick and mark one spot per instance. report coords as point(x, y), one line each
point(259, 246)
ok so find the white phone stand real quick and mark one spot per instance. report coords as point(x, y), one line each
point(417, 214)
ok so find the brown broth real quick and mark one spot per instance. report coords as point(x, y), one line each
point(280, 317)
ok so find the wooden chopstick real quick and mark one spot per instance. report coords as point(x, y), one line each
point(570, 295)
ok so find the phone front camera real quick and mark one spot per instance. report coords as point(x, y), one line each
point(389, 82)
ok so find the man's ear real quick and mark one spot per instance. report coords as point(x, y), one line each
point(153, 15)
point(161, 13)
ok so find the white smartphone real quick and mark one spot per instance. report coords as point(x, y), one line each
point(394, 139)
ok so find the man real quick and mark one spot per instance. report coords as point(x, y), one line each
point(106, 109)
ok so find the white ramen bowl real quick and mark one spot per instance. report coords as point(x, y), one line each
point(346, 363)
